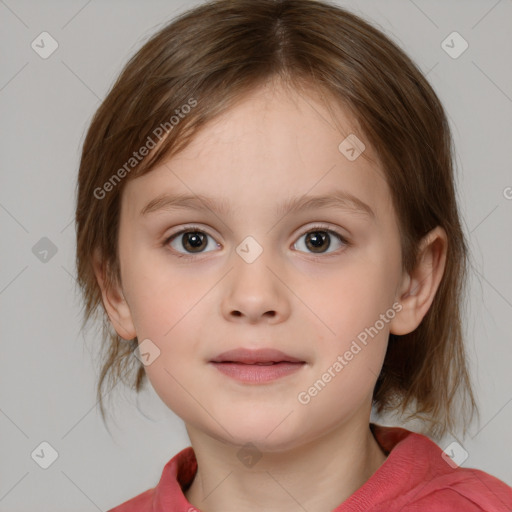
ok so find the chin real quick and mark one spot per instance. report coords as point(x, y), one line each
point(264, 436)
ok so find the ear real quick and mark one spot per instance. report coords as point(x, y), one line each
point(114, 301)
point(418, 288)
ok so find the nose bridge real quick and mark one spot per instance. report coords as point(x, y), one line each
point(254, 291)
point(250, 265)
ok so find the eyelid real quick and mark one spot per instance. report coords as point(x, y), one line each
point(320, 226)
point(188, 227)
point(325, 227)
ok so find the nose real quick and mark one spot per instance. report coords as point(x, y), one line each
point(255, 292)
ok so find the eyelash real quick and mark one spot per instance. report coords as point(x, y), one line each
point(193, 228)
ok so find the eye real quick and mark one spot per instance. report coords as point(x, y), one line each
point(319, 239)
point(193, 240)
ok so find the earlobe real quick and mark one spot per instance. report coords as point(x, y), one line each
point(418, 288)
point(114, 301)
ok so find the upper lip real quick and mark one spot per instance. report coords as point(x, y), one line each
point(262, 355)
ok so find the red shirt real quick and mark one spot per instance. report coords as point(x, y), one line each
point(414, 477)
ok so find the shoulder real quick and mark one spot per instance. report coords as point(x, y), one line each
point(177, 474)
point(453, 487)
point(465, 489)
point(140, 503)
point(419, 476)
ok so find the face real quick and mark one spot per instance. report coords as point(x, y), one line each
point(239, 269)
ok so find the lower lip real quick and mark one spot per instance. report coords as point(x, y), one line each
point(257, 373)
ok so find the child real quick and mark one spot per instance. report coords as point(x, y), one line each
point(266, 214)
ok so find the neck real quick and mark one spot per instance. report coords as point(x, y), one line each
point(317, 476)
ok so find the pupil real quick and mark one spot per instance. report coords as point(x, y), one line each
point(316, 239)
point(193, 240)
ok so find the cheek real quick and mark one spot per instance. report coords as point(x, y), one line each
point(175, 388)
point(173, 373)
point(160, 294)
point(166, 309)
point(336, 394)
point(355, 309)
point(351, 299)
point(348, 362)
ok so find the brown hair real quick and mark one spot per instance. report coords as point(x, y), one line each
point(214, 54)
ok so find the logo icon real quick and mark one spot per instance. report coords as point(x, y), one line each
point(44, 249)
point(249, 249)
point(44, 455)
point(249, 455)
point(454, 454)
point(454, 45)
point(351, 147)
point(146, 352)
point(44, 45)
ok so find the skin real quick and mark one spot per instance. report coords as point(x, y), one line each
point(273, 145)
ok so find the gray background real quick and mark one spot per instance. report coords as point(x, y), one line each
point(48, 369)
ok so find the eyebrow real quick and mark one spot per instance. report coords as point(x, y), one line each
point(338, 199)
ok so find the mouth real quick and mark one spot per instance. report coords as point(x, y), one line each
point(268, 363)
point(264, 357)
point(256, 366)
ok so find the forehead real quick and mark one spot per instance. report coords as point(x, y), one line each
point(274, 143)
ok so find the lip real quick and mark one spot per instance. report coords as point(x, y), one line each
point(256, 366)
point(262, 355)
point(257, 373)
